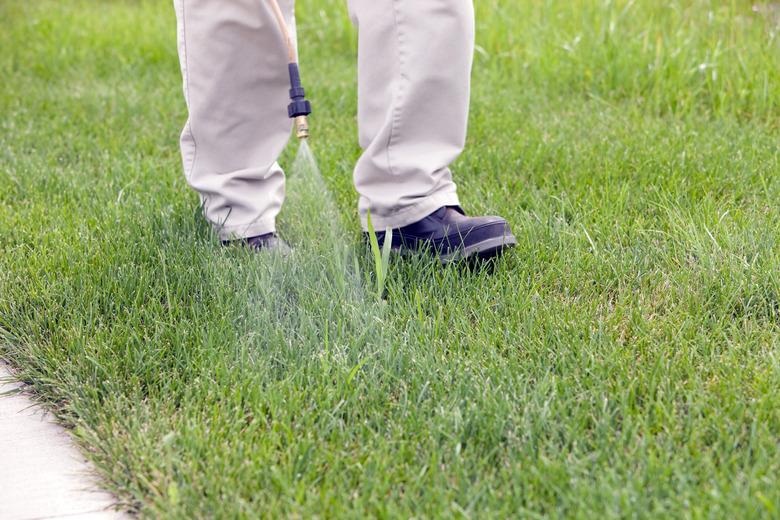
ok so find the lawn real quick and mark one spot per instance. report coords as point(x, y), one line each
point(622, 362)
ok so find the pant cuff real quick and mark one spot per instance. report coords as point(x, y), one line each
point(411, 214)
point(253, 229)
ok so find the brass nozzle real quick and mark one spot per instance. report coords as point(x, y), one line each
point(302, 127)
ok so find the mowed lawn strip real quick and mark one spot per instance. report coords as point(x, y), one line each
point(622, 361)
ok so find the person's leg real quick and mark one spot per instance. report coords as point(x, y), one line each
point(414, 67)
point(234, 65)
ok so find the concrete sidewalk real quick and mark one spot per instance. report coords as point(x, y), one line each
point(42, 473)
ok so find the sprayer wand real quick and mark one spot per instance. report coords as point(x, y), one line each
point(299, 107)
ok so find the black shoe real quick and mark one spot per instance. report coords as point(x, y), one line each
point(268, 242)
point(453, 236)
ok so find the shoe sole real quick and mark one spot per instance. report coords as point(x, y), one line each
point(484, 250)
point(481, 251)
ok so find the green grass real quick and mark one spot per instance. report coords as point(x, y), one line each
point(622, 361)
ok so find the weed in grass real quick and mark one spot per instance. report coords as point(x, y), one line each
point(381, 257)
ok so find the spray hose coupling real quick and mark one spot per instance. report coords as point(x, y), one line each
point(299, 108)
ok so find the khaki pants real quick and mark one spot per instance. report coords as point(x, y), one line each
point(414, 66)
